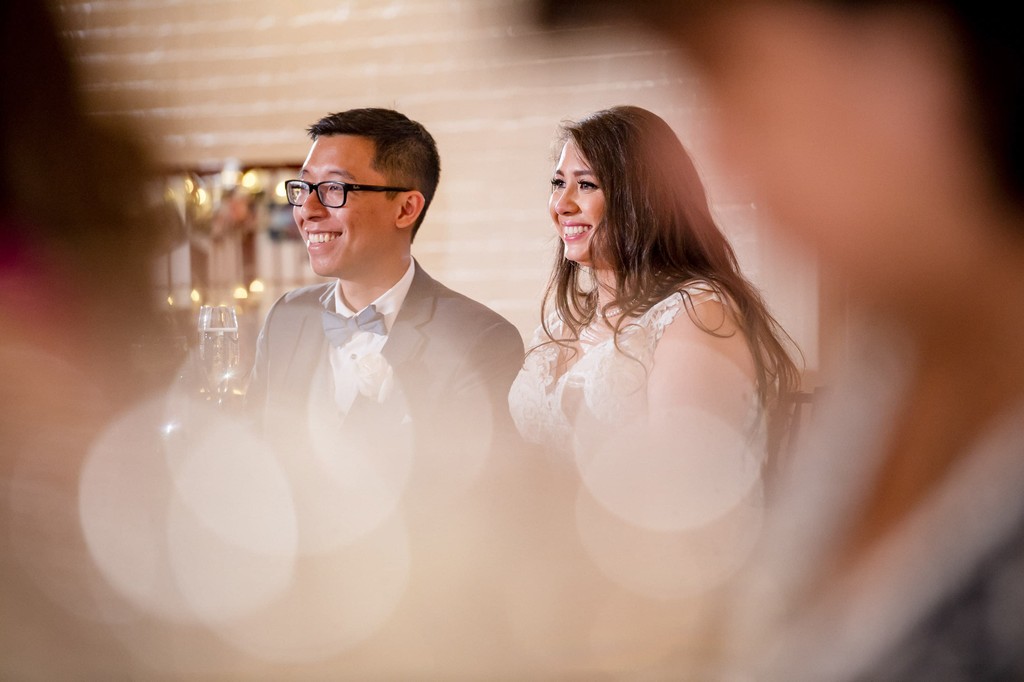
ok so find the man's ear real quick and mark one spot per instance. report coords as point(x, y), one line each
point(409, 209)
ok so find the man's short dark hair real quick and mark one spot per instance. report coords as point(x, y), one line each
point(404, 152)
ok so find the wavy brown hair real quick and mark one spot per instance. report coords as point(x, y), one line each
point(657, 235)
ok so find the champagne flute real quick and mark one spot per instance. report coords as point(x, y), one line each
point(218, 348)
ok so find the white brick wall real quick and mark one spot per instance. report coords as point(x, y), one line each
point(220, 79)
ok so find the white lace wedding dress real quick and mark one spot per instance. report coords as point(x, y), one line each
point(603, 382)
point(669, 499)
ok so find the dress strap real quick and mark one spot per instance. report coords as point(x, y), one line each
point(664, 312)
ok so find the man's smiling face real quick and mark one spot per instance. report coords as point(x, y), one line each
point(348, 242)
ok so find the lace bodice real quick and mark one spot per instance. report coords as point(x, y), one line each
point(603, 382)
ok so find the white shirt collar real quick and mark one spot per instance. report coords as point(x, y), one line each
point(388, 304)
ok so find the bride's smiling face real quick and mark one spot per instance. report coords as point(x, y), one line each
point(576, 204)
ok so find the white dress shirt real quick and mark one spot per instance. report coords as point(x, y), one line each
point(345, 359)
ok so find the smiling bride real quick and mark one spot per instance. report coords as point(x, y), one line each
point(657, 367)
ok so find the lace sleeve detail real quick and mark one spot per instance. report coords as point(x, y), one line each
point(540, 336)
point(664, 313)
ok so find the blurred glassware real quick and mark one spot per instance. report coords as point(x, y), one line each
point(218, 350)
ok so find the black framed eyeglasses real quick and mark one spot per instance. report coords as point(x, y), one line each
point(332, 193)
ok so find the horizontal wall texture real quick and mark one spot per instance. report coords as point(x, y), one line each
point(215, 82)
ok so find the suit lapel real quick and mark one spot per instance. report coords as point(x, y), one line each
point(407, 336)
point(309, 350)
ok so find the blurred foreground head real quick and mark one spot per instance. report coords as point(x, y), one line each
point(76, 213)
point(883, 134)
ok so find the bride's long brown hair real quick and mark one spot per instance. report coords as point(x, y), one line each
point(657, 235)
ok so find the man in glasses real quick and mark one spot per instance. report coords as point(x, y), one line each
point(382, 353)
point(382, 392)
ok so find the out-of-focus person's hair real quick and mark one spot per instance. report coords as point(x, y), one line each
point(76, 201)
point(658, 233)
point(404, 151)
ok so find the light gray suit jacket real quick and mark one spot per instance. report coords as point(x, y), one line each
point(453, 358)
point(454, 361)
